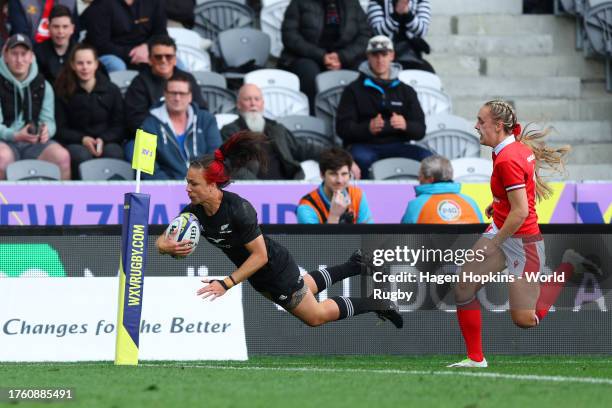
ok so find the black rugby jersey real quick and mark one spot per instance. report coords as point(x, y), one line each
point(232, 227)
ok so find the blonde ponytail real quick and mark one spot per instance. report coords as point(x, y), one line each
point(550, 159)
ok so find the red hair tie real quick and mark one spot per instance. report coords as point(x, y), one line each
point(219, 156)
point(516, 129)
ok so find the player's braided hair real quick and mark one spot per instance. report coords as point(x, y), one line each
point(551, 159)
point(240, 150)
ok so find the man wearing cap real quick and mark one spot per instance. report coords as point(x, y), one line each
point(378, 116)
point(27, 110)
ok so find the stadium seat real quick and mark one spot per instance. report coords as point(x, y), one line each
point(308, 127)
point(271, 19)
point(598, 27)
point(433, 101)
point(32, 170)
point(472, 170)
point(194, 58)
point(213, 17)
point(243, 47)
point(204, 78)
point(395, 168)
point(451, 137)
point(419, 78)
point(123, 79)
point(273, 77)
point(225, 118)
point(220, 100)
point(443, 121)
point(281, 102)
point(184, 36)
point(106, 169)
point(311, 171)
point(326, 105)
point(331, 79)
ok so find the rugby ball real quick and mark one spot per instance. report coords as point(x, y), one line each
point(188, 228)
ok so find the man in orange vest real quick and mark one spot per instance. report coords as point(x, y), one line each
point(438, 199)
point(335, 201)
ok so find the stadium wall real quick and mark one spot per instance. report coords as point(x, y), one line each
point(580, 324)
point(83, 203)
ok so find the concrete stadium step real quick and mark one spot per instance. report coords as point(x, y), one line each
point(592, 153)
point(559, 87)
point(455, 65)
point(545, 109)
point(583, 172)
point(525, 44)
point(460, 7)
point(545, 66)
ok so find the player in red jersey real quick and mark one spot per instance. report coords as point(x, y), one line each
point(513, 239)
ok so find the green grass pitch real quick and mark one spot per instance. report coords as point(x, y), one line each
point(325, 382)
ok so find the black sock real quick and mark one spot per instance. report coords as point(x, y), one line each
point(353, 306)
point(325, 277)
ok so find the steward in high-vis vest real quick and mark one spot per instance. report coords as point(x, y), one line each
point(334, 201)
point(438, 199)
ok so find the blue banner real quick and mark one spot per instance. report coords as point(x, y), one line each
point(134, 237)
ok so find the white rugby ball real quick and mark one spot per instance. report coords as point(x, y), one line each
point(188, 228)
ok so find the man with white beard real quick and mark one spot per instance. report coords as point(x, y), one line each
point(285, 152)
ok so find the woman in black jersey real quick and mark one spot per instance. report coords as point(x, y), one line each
point(229, 222)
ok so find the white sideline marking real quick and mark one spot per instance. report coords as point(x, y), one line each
point(520, 377)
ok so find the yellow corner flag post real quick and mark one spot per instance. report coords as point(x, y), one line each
point(134, 238)
point(144, 154)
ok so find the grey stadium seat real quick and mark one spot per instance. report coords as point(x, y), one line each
point(331, 79)
point(204, 78)
point(308, 127)
point(32, 170)
point(220, 100)
point(242, 46)
point(213, 17)
point(123, 79)
point(279, 102)
point(106, 169)
point(452, 143)
point(395, 168)
point(598, 26)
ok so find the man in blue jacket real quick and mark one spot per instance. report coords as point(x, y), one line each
point(184, 131)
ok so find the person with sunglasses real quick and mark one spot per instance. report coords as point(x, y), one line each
point(184, 131)
point(147, 89)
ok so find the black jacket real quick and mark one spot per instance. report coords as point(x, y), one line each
point(365, 98)
point(290, 150)
point(181, 11)
point(49, 63)
point(97, 114)
point(115, 28)
point(146, 91)
point(303, 25)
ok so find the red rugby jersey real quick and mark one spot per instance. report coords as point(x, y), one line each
point(514, 168)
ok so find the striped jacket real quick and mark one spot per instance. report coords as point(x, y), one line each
point(383, 19)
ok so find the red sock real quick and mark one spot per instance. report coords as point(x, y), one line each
point(549, 291)
point(470, 322)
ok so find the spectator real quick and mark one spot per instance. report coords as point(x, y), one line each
point(320, 35)
point(120, 30)
point(89, 110)
point(438, 200)
point(335, 201)
point(406, 23)
point(27, 123)
point(181, 13)
point(147, 89)
point(284, 152)
point(377, 113)
point(51, 54)
point(184, 131)
point(31, 17)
